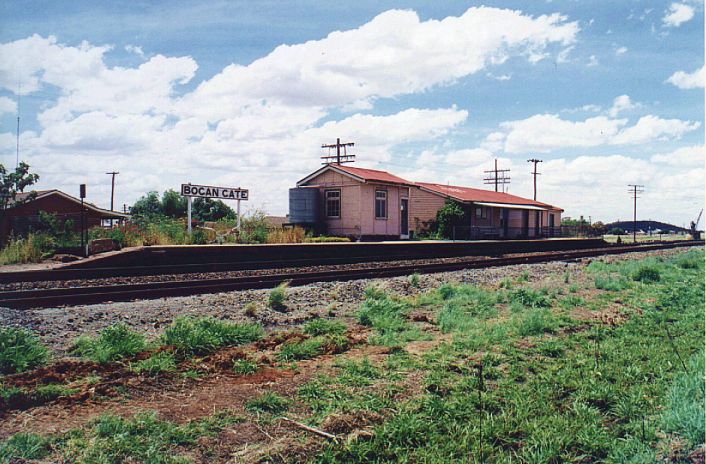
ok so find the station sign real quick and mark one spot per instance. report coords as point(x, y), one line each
point(206, 191)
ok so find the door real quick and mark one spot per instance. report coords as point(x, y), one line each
point(404, 218)
point(537, 220)
point(525, 223)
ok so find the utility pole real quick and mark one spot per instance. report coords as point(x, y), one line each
point(344, 158)
point(112, 187)
point(493, 176)
point(535, 174)
point(635, 190)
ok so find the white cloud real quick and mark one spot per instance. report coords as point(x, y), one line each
point(7, 105)
point(592, 61)
point(134, 49)
point(678, 13)
point(687, 157)
point(547, 132)
point(621, 103)
point(685, 80)
point(621, 50)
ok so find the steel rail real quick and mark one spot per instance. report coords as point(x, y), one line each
point(54, 297)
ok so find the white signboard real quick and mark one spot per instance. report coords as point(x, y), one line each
point(224, 193)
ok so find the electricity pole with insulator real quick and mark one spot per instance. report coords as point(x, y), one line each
point(535, 174)
point(340, 158)
point(635, 190)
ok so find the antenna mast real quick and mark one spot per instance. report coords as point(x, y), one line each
point(493, 177)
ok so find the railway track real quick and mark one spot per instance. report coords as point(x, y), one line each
point(55, 297)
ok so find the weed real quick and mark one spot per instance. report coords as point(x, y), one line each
point(324, 327)
point(573, 288)
point(191, 374)
point(278, 296)
point(112, 343)
point(311, 347)
point(529, 298)
point(52, 391)
point(413, 280)
point(536, 322)
point(23, 446)
point(20, 350)
point(244, 366)
point(269, 402)
point(689, 260)
point(551, 348)
point(647, 274)
point(610, 283)
point(203, 335)
point(572, 301)
point(524, 276)
point(567, 277)
point(250, 309)
point(155, 364)
point(684, 411)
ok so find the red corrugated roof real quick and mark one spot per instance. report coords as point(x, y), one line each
point(471, 194)
point(372, 174)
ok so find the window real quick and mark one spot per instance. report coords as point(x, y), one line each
point(481, 213)
point(333, 203)
point(380, 204)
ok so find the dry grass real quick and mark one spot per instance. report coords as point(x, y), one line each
point(289, 235)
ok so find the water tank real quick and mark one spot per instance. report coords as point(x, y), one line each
point(304, 206)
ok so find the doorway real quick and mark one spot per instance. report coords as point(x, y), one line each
point(404, 218)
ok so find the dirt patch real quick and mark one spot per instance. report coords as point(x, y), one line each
point(344, 423)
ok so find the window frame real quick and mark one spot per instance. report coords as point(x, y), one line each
point(375, 204)
point(483, 212)
point(326, 203)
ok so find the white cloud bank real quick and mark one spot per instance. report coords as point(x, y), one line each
point(685, 80)
point(256, 125)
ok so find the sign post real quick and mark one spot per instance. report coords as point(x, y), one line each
point(221, 193)
point(84, 238)
point(188, 214)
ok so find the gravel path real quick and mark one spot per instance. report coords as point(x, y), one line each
point(60, 326)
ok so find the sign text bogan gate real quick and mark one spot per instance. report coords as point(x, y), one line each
point(206, 191)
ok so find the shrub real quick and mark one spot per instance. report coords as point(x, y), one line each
point(23, 446)
point(30, 249)
point(289, 235)
point(250, 309)
point(203, 335)
point(155, 364)
point(277, 297)
point(112, 343)
point(647, 274)
point(20, 350)
point(269, 402)
point(324, 327)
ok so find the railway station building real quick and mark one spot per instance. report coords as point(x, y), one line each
point(369, 204)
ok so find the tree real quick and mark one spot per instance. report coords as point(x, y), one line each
point(173, 204)
point(449, 216)
point(15, 182)
point(207, 209)
point(148, 205)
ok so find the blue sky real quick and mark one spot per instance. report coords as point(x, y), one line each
point(244, 93)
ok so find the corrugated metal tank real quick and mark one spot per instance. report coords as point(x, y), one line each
point(304, 207)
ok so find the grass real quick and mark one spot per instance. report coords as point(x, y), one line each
point(191, 336)
point(277, 297)
point(112, 344)
point(30, 249)
point(324, 327)
point(600, 393)
point(158, 363)
point(295, 350)
point(413, 280)
point(20, 350)
point(269, 402)
point(244, 366)
point(388, 317)
point(22, 446)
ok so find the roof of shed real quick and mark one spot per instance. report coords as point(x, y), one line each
point(468, 194)
point(361, 174)
point(22, 196)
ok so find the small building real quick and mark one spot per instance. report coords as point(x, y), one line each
point(22, 216)
point(368, 204)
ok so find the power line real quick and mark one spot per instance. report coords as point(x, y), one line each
point(535, 174)
point(635, 190)
point(494, 178)
point(344, 158)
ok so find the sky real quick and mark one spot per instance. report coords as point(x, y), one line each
point(243, 94)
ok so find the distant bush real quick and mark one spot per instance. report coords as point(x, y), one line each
point(20, 350)
point(112, 343)
point(30, 249)
point(616, 231)
point(203, 335)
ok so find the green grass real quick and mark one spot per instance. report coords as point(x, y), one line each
point(388, 317)
point(610, 283)
point(156, 364)
point(52, 391)
point(20, 350)
point(269, 402)
point(244, 366)
point(295, 350)
point(112, 344)
point(413, 280)
point(192, 336)
point(595, 394)
point(23, 446)
point(324, 327)
point(278, 296)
